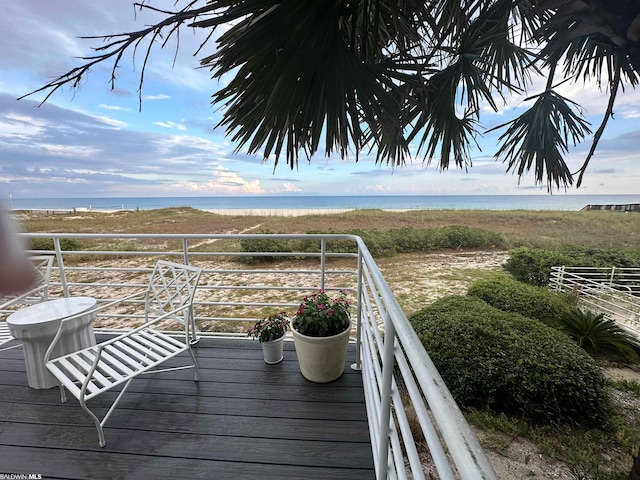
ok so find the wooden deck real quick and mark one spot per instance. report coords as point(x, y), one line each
point(243, 420)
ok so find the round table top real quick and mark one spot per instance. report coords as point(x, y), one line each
point(51, 310)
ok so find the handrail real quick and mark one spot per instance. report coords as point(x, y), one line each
point(397, 372)
point(619, 278)
point(614, 291)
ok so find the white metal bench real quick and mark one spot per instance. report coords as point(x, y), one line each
point(92, 371)
point(40, 293)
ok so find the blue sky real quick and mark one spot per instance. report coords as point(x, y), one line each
point(96, 143)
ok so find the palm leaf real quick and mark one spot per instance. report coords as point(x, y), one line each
point(597, 334)
point(540, 137)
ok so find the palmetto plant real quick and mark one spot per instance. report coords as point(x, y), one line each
point(402, 78)
point(598, 334)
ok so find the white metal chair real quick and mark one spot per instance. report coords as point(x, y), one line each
point(5, 337)
point(92, 371)
point(40, 293)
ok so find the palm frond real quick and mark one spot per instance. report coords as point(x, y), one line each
point(539, 138)
point(597, 334)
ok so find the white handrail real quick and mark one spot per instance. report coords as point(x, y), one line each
point(384, 336)
point(614, 291)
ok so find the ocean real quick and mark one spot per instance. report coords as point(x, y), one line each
point(329, 203)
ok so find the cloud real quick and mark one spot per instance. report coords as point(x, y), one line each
point(178, 126)
point(112, 122)
point(43, 148)
point(224, 182)
point(71, 141)
point(114, 107)
point(162, 96)
point(378, 189)
point(287, 188)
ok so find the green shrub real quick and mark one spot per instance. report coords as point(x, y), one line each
point(384, 244)
point(408, 239)
point(577, 255)
point(513, 296)
point(598, 334)
point(66, 244)
point(532, 265)
point(264, 245)
point(459, 236)
point(511, 364)
point(380, 244)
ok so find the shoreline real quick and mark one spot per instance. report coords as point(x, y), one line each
point(298, 212)
point(288, 205)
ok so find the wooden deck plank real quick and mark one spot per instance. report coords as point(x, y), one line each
point(107, 465)
point(203, 423)
point(244, 419)
point(158, 443)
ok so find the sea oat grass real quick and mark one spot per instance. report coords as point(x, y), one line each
point(543, 229)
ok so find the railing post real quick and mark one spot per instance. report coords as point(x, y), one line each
point(358, 364)
point(323, 261)
point(385, 398)
point(63, 274)
point(559, 287)
point(611, 277)
point(185, 251)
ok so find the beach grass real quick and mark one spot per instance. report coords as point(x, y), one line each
point(542, 229)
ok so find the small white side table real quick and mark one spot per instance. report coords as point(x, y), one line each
point(38, 324)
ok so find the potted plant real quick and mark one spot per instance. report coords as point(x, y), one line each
point(320, 330)
point(270, 332)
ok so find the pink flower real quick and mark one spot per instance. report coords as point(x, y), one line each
point(321, 307)
point(330, 312)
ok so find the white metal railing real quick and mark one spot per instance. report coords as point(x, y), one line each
point(613, 291)
point(396, 370)
point(624, 279)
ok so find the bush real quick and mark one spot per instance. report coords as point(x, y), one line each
point(577, 255)
point(513, 296)
point(458, 236)
point(511, 364)
point(264, 245)
point(598, 334)
point(384, 244)
point(408, 239)
point(380, 244)
point(66, 244)
point(533, 265)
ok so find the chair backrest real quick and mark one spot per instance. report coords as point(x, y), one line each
point(40, 292)
point(172, 285)
point(42, 264)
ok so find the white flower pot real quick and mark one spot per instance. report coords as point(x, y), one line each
point(273, 351)
point(321, 359)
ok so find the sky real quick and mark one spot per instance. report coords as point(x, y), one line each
point(96, 142)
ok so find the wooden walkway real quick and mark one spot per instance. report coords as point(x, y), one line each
point(243, 420)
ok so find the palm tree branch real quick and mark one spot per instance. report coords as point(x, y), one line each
point(540, 136)
point(609, 113)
